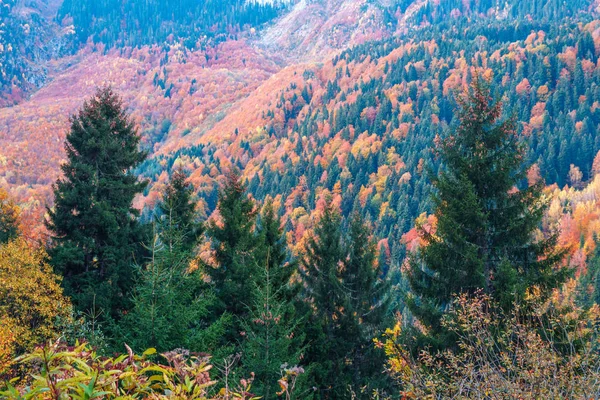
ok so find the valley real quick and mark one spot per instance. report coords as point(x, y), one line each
point(282, 124)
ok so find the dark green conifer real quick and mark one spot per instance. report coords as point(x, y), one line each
point(273, 248)
point(486, 228)
point(170, 299)
point(366, 306)
point(324, 292)
point(177, 216)
point(234, 242)
point(348, 307)
point(94, 227)
point(273, 330)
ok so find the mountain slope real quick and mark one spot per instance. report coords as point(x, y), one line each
point(313, 29)
point(29, 40)
point(302, 117)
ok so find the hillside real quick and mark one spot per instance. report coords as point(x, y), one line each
point(302, 119)
point(30, 43)
point(315, 199)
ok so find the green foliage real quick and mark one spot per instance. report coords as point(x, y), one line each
point(166, 306)
point(348, 301)
point(588, 284)
point(95, 230)
point(9, 218)
point(149, 22)
point(178, 221)
point(485, 236)
point(271, 338)
point(170, 298)
point(366, 304)
point(79, 373)
point(273, 248)
point(235, 272)
point(273, 334)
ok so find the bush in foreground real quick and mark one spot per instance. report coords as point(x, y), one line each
point(549, 355)
point(79, 373)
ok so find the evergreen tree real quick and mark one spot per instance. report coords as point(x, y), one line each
point(348, 307)
point(95, 231)
point(9, 218)
point(320, 264)
point(170, 299)
point(272, 337)
point(588, 285)
point(273, 248)
point(485, 235)
point(171, 305)
point(366, 306)
point(177, 216)
point(233, 240)
point(273, 327)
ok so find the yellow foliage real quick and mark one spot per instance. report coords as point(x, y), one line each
point(9, 211)
point(7, 345)
point(502, 353)
point(31, 299)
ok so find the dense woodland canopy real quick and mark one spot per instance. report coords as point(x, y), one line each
point(378, 107)
point(237, 291)
point(135, 23)
point(347, 228)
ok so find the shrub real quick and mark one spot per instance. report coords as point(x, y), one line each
point(32, 303)
point(551, 355)
point(78, 373)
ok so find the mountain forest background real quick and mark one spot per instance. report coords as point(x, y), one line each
point(319, 199)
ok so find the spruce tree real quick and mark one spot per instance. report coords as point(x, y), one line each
point(588, 285)
point(233, 240)
point(273, 248)
point(485, 237)
point(272, 337)
point(94, 227)
point(170, 299)
point(179, 222)
point(348, 307)
point(9, 218)
point(366, 305)
point(273, 328)
point(323, 291)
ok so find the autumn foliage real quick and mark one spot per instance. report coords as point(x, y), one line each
point(32, 304)
point(549, 355)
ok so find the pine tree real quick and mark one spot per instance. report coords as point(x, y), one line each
point(273, 247)
point(233, 240)
point(486, 229)
point(588, 284)
point(272, 338)
point(95, 231)
point(320, 264)
point(273, 327)
point(171, 305)
point(177, 216)
point(366, 305)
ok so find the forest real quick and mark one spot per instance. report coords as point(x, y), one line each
point(223, 308)
point(412, 216)
point(118, 23)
